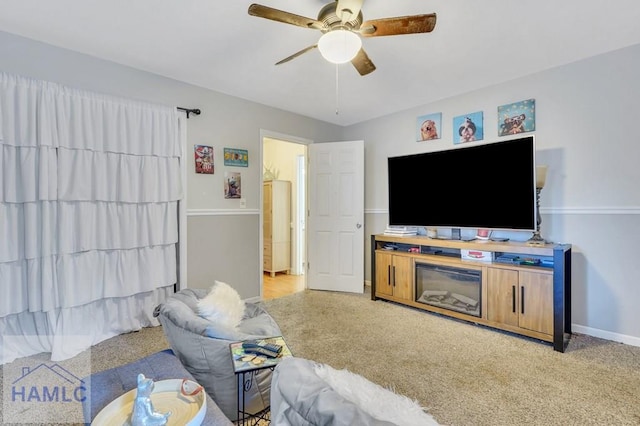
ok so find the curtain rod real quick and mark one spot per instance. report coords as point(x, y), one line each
point(195, 111)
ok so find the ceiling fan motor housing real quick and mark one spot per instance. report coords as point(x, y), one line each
point(330, 20)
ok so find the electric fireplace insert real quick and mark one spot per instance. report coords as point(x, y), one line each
point(448, 287)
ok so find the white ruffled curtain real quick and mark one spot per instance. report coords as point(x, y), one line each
point(89, 191)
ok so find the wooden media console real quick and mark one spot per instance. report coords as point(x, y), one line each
point(522, 289)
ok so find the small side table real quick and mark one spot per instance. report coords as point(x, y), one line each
point(246, 365)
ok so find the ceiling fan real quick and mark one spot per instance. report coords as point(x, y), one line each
point(342, 24)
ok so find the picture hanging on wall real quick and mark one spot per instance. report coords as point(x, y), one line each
point(232, 185)
point(468, 128)
point(518, 117)
point(236, 157)
point(428, 127)
point(203, 159)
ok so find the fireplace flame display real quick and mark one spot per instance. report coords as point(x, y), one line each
point(452, 288)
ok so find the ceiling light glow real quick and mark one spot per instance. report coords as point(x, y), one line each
point(339, 46)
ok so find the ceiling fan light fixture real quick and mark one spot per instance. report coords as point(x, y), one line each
point(339, 46)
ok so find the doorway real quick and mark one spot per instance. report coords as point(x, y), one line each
point(286, 159)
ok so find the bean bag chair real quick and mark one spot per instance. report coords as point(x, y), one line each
point(306, 393)
point(202, 345)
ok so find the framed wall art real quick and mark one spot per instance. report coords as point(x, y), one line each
point(236, 157)
point(518, 117)
point(468, 128)
point(428, 127)
point(232, 185)
point(203, 156)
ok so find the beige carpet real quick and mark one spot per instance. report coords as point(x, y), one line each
point(462, 373)
point(66, 409)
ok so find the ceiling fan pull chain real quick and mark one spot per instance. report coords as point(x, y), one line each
point(337, 91)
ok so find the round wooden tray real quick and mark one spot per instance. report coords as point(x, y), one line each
point(167, 395)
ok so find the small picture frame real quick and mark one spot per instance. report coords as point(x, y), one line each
point(232, 185)
point(468, 128)
point(203, 157)
point(518, 117)
point(428, 127)
point(236, 157)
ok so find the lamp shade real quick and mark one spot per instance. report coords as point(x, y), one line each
point(541, 176)
point(339, 46)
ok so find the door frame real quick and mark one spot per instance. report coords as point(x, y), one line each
point(284, 138)
point(299, 257)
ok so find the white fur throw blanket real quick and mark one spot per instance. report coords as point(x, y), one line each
point(305, 393)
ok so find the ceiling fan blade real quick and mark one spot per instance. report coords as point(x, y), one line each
point(285, 17)
point(348, 9)
point(295, 55)
point(362, 63)
point(400, 25)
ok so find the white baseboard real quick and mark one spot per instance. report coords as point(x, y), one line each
point(608, 335)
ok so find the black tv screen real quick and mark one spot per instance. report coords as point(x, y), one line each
point(488, 186)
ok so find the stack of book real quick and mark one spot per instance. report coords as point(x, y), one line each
point(401, 231)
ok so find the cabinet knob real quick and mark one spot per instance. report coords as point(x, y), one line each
point(358, 225)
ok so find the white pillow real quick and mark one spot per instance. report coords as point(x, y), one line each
point(377, 401)
point(222, 305)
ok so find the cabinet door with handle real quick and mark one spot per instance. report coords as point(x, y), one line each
point(502, 292)
point(521, 299)
point(394, 276)
point(384, 274)
point(536, 302)
point(404, 272)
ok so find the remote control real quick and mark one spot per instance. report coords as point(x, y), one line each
point(270, 350)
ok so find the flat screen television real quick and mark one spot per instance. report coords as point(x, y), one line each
point(482, 186)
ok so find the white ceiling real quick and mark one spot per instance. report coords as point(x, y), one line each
point(215, 44)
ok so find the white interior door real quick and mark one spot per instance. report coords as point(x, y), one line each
point(335, 225)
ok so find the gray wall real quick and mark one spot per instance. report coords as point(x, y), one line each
point(585, 115)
